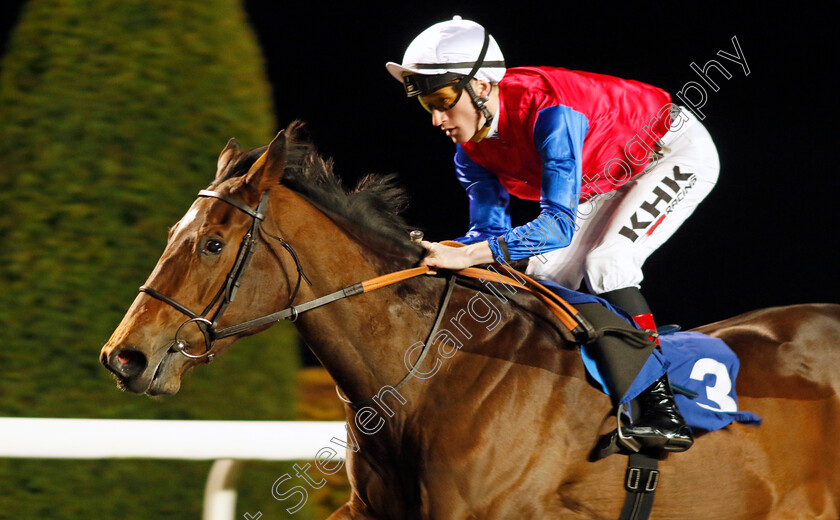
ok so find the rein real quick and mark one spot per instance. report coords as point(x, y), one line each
point(227, 292)
point(568, 315)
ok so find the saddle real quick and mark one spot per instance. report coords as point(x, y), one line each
point(701, 369)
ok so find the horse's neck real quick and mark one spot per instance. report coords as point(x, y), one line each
point(359, 340)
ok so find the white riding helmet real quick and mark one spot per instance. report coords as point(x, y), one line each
point(447, 51)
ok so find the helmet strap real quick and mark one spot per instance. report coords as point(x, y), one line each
point(481, 104)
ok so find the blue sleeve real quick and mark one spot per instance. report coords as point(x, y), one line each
point(558, 136)
point(489, 201)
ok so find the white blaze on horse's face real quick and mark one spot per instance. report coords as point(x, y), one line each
point(186, 220)
point(154, 345)
point(138, 351)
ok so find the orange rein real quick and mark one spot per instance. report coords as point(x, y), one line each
point(559, 307)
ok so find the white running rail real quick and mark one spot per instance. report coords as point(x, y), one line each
point(226, 442)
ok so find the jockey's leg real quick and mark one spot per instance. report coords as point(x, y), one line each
point(620, 356)
point(616, 233)
point(648, 209)
point(631, 300)
point(659, 423)
point(642, 215)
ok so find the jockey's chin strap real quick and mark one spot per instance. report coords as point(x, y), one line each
point(479, 102)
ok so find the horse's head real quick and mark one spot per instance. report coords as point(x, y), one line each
point(173, 323)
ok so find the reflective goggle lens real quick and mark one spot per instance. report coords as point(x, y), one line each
point(441, 100)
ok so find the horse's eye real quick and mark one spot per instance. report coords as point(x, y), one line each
point(213, 247)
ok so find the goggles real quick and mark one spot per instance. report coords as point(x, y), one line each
point(422, 85)
point(442, 99)
point(419, 84)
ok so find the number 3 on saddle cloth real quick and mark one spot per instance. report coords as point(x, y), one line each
point(701, 364)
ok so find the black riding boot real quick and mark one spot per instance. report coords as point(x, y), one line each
point(656, 421)
point(659, 424)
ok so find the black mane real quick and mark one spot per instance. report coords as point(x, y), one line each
point(369, 212)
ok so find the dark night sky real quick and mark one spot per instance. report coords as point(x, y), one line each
point(765, 236)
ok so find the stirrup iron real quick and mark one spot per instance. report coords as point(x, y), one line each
point(628, 442)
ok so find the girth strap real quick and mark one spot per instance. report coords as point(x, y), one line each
point(640, 481)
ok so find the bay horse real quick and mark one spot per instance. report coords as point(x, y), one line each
point(498, 420)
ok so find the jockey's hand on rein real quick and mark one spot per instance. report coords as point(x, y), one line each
point(455, 258)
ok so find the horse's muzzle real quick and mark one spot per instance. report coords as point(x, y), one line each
point(125, 362)
point(131, 367)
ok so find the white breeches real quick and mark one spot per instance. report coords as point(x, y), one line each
point(617, 231)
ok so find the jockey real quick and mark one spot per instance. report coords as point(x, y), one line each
point(615, 166)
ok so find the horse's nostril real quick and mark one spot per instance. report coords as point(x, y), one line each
point(128, 362)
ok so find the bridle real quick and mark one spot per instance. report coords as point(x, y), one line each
point(227, 292)
point(566, 313)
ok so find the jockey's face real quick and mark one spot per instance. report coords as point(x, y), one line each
point(463, 120)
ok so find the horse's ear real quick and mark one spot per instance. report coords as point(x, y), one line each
point(268, 169)
point(228, 155)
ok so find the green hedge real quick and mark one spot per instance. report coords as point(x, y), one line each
point(112, 115)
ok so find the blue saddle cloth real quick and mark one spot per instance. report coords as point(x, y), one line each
point(699, 363)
